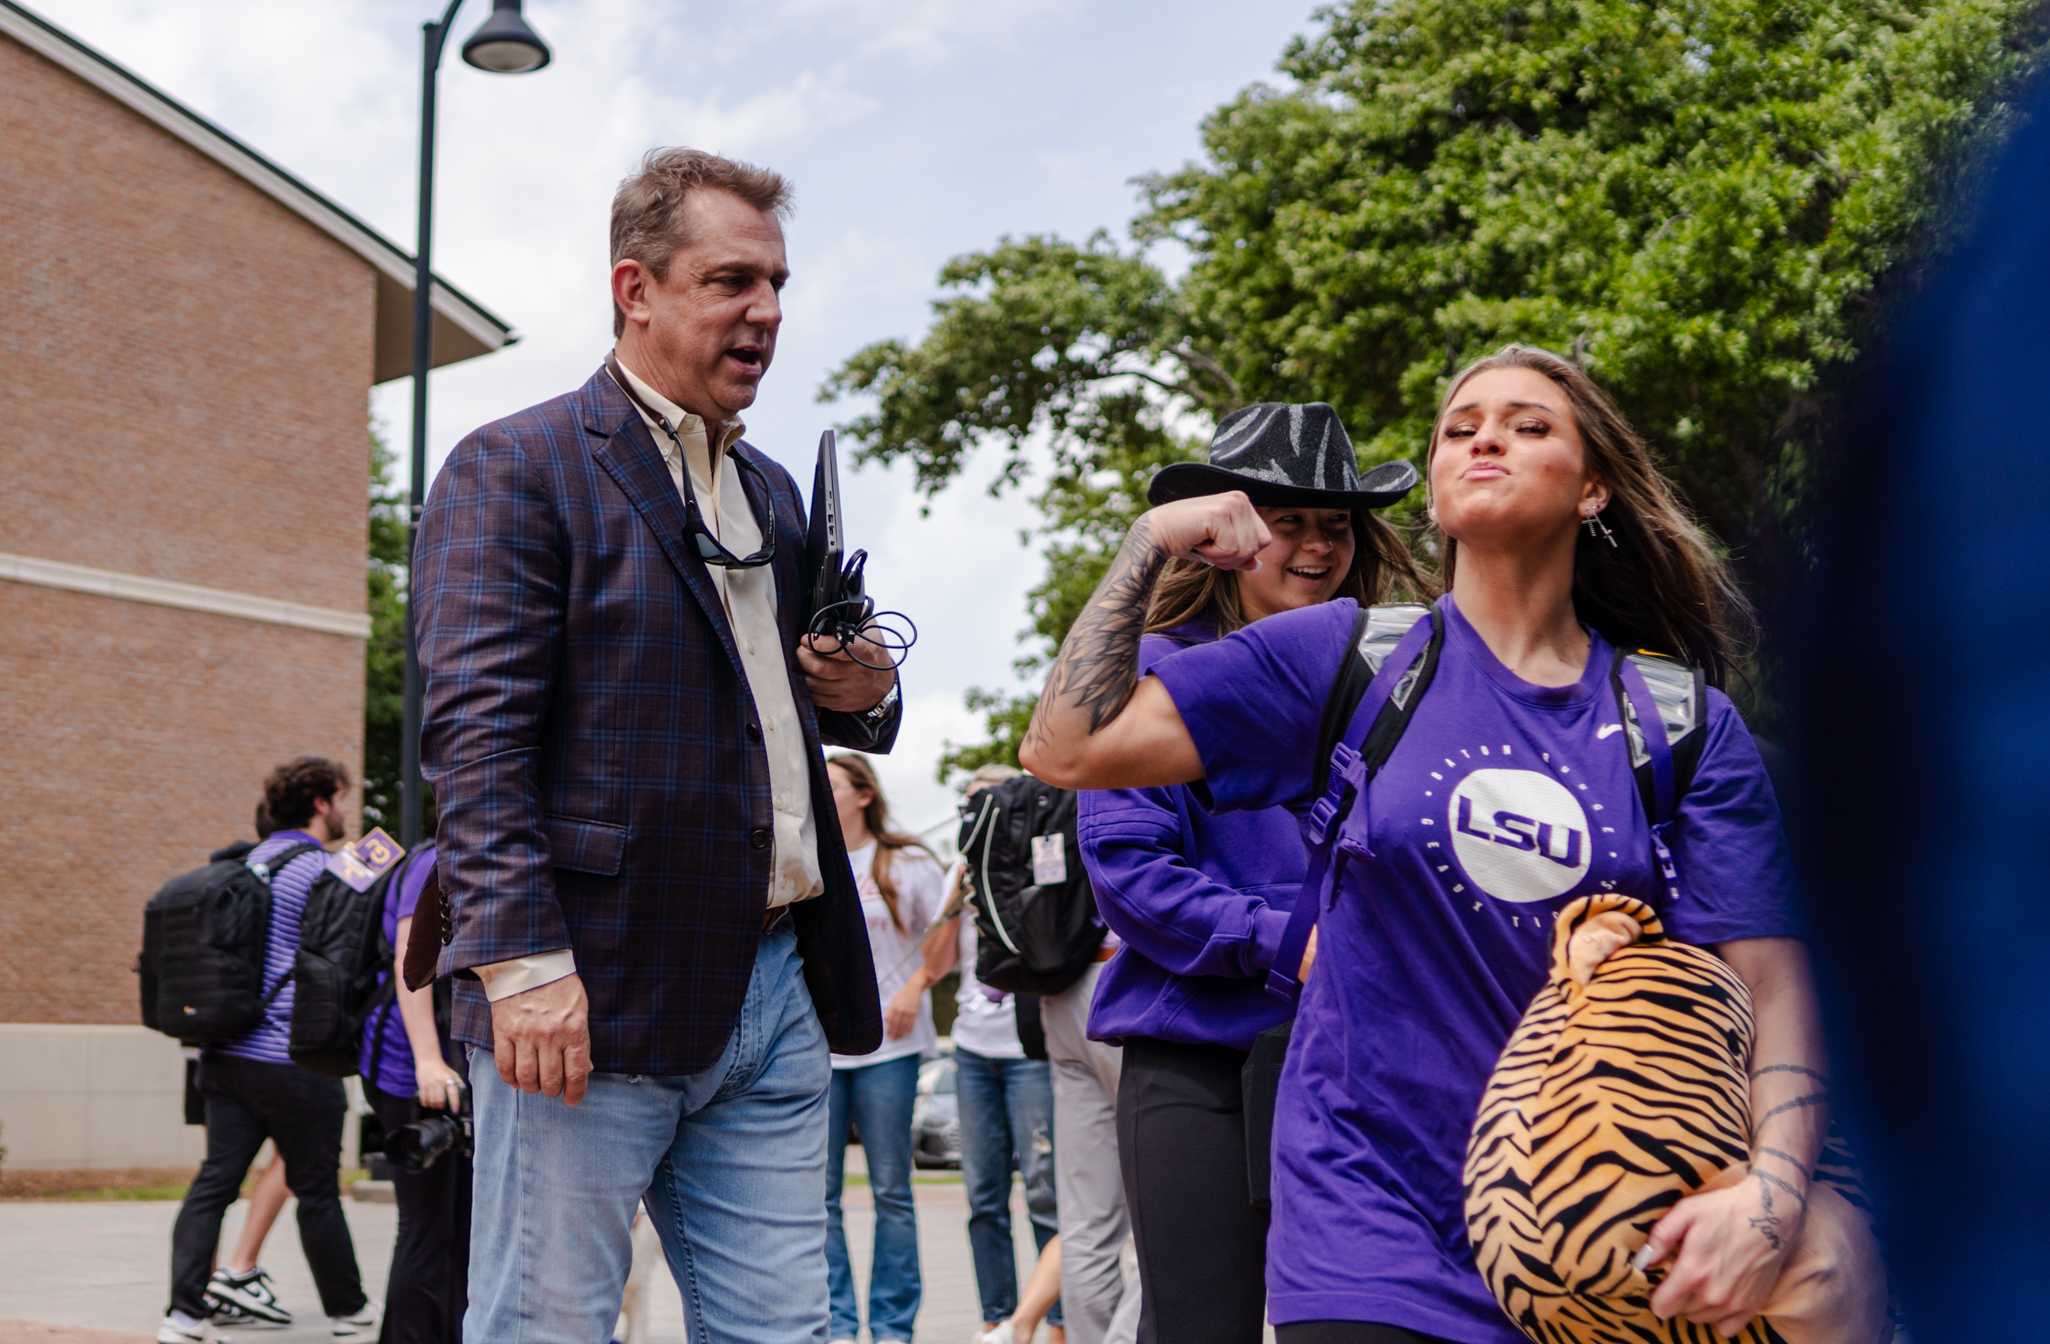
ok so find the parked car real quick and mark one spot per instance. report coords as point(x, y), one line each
point(936, 1116)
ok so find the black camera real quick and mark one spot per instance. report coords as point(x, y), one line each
point(420, 1145)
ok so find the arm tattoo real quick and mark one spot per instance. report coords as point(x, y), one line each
point(1098, 666)
point(1767, 1223)
point(1791, 1068)
point(1767, 1181)
point(1787, 1158)
point(1797, 1104)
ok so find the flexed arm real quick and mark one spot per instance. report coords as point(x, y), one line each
point(1098, 725)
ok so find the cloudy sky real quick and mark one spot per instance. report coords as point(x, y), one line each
point(914, 130)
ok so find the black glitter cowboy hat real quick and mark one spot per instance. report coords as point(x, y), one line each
point(1283, 453)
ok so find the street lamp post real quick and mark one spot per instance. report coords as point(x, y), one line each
point(503, 44)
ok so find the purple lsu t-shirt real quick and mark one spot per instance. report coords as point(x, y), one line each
point(1502, 802)
point(387, 1055)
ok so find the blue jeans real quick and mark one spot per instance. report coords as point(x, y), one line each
point(729, 1161)
point(878, 1097)
point(1006, 1121)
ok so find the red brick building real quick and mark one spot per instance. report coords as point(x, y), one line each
point(188, 336)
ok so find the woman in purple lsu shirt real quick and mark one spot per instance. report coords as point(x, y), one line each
point(1436, 936)
point(1200, 900)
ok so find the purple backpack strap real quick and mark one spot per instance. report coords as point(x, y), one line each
point(1348, 776)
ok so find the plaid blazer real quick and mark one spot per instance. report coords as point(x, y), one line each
point(594, 748)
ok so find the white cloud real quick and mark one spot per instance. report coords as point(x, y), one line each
point(931, 719)
point(925, 31)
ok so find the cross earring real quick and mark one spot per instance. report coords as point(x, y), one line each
point(1592, 521)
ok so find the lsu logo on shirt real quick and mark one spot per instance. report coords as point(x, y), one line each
point(1520, 835)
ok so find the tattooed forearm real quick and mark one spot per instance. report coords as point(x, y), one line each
point(1098, 666)
point(1787, 1129)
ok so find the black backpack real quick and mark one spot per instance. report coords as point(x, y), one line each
point(342, 972)
point(203, 940)
point(1035, 912)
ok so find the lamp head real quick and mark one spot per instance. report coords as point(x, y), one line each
point(503, 44)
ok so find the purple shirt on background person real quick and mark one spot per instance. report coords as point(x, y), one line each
point(271, 1039)
point(1502, 802)
point(387, 1055)
point(1200, 898)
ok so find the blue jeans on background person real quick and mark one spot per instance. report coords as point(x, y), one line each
point(729, 1161)
point(878, 1097)
point(1006, 1122)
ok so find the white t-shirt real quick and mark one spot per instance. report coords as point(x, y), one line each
point(985, 1026)
point(921, 888)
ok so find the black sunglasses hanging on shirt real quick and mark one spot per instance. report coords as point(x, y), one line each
point(709, 548)
point(840, 607)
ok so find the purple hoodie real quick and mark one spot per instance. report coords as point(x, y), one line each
point(1200, 900)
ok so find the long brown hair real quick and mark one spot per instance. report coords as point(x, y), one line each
point(877, 817)
point(1663, 586)
point(1189, 590)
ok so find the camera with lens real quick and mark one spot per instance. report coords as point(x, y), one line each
point(426, 1141)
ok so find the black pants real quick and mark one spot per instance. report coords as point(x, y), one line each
point(248, 1101)
point(430, 1262)
point(1349, 1332)
point(1182, 1145)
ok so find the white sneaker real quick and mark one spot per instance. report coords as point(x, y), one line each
point(1000, 1333)
point(173, 1332)
point(361, 1322)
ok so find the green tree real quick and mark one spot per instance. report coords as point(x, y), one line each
point(384, 656)
point(1708, 202)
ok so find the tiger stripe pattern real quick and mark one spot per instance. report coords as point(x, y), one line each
point(1623, 1089)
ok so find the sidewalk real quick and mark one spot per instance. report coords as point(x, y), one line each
point(94, 1273)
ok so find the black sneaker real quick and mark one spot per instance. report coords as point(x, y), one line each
point(245, 1299)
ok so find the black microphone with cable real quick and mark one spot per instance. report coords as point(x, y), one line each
point(841, 607)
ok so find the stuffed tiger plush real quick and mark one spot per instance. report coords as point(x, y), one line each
point(1624, 1089)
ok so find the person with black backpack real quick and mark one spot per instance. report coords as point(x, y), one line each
point(1514, 751)
point(1004, 1088)
point(1201, 899)
point(1038, 936)
point(252, 1089)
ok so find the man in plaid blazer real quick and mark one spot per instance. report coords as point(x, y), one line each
point(654, 925)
